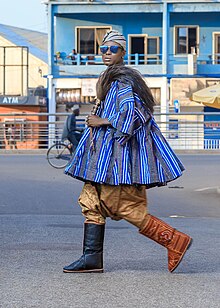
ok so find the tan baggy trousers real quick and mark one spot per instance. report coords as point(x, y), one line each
point(128, 202)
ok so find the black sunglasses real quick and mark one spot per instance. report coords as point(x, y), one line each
point(113, 49)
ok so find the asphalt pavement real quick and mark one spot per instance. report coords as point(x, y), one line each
point(42, 230)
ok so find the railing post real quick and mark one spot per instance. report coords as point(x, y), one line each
point(136, 58)
point(78, 59)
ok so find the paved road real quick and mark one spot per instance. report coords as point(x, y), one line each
point(41, 230)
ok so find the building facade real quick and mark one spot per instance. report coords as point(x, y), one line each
point(174, 44)
point(23, 64)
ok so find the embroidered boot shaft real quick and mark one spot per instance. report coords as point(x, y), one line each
point(175, 241)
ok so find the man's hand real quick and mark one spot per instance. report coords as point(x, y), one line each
point(95, 121)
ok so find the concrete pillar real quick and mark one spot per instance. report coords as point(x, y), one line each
point(52, 110)
point(165, 37)
point(50, 38)
point(165, 53)
point(50, 86)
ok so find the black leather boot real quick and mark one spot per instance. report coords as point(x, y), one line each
point(92, 258)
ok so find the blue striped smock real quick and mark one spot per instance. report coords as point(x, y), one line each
point(132, 150)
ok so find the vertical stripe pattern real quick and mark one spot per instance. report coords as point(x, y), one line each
point(130, 151)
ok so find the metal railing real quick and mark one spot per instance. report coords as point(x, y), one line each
point(184, 131)
point(137, 59)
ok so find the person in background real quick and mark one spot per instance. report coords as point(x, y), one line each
point(121, 154)
point(73, 56)
point(69, 130)
point(11, 136)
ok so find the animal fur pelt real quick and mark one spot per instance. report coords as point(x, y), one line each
point(128, 76)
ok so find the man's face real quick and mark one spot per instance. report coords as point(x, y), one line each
point(110, 58)
point(76, 112)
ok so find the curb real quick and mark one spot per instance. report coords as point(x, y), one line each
point(44, 152)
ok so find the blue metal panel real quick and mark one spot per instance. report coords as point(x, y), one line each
point(209, 69)
point(202, 6)
point(212, 124)
point(100, 7)
point(65, 35)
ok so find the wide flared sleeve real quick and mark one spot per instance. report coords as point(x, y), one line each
point(122, 118)
point(129, 115)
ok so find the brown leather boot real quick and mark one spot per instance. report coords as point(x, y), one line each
point(175, 241)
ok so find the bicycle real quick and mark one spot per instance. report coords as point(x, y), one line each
point(60, 153)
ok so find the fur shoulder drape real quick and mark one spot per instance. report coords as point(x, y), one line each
point(128, 76)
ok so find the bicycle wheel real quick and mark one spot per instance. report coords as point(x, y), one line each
point(59, 155)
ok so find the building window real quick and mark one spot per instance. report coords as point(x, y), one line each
point(14, 61)
point(216, 48)
point(90, 38)
point(152, 50)
point(186, 39)
point(147, 48)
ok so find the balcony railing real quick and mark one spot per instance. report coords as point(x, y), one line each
point(184, 131)
point(135, 59)
point(89, 59)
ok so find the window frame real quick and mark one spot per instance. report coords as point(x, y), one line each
point(175, 40)
point(77, 40)
point(130, 36)
point(152, 56)
point(146, 55)
point(215, 55)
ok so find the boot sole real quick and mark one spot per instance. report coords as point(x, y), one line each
point(85, 271)
point(180, 259)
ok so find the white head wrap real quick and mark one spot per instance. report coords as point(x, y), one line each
point(75, 107)
point(115, 36)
